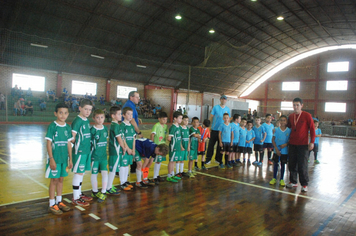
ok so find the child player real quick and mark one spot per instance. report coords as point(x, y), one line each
point(225, 140)
point(175, 146)
point(194, 137)
point(81, 160)
point(268, 141)
point(59, 148)
point(250, 137)
point(186, 146)
point(235, 142)
point(260, 136)
point(280, 142)
point(242, 141)
point(205, 135)
point(316, 143)
point(99, 159)
point(116, 146)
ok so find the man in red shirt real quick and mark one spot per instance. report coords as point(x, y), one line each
point(300, 123)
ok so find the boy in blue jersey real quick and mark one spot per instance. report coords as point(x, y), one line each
point(268, 141)
point(235, 141)
point(260, 134)
point(242, 141)
point(316, 143)
point(280, 143)
point(148, 149)
point(225, 140)
point(250, 136)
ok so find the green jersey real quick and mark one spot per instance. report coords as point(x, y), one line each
point(81, 127)
point(59, 135)
point(176, 140)
point(114, 146)
point(185, 137)
point(194, 142)
point(160, 133)
point(99, 141)
point(129, 133)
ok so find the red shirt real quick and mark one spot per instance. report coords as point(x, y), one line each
point(204, 135)
point(301, 124)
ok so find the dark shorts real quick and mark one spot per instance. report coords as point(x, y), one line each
point(234, 147)
point(268, 145)
point(283, 158)
point(201, 153)
point(258, 147)
point(248, 150)
point(225, 147)
point(316, 147)
point(241, 149)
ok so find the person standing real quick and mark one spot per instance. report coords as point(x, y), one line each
point(300, 123)
point(216, 119)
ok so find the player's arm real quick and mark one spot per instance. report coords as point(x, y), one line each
point(70, 162)
point(275, 146)
point(134, 146)
point(121, 143)
point(135, 125)
point(312, 133)
point(264, 137)
point(253, 136)
point(211, 120)
point(74, 134)
point(152, 136)
point(232, 138)
point(52, 163)
point(220, 140)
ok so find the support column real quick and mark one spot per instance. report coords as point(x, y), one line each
point(59, 85)
point(316, 93)
point(107, 95)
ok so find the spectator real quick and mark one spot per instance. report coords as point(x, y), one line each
point(75, 105)
point(2, 102)
point(28, 108)
point(17, 107)
point(102, 100)
point(113, 101)
point(20, 93)
point(65, 92)
point(43, 105)
point(14, 91)
point(180, 109)
point(29, 92)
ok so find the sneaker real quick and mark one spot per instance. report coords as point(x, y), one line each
point(203, 168)
point(208, 163)
point(273, 181)
point(191, 175)
point(239, 163)
point(171, 179)
point(249, 162)
point(156, 181)
point(93, 194)
point(221, 166)
point(304, 188)
point(127, 184)
point(291, 185)
point(55, 210)
point(316, 162)
point(150, 182)
point(160, 179)
point(80, 202)
point(141, 185)
point(185, 174)
point(176, 178)
point(179, 175)
point(228, 166)
point(63, 207)
point(196, 168)
point(113, 191)
point(270, 162)
point(101, 197)
point(85, 198)
point(281, 183)
point(259, 164)
point(254, 163)
point(244, 162)
point(234, 163)
point(125, 188)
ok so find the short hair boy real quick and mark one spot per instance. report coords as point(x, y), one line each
point(268, 140)
point(260, 134)
point(250, 136)
point(316, 142)
point(205, 136)
point(59, 148)
point(194, 138)
point(242, 141)
point(225, 140)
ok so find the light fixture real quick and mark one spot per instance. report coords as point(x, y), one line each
point(211, 31)
point(38, 45)
point(253, 0)
point(178, 17)
point(280, 18)
point(96, 56)
point(141, 66)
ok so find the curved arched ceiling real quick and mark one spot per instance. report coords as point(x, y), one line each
point(249, 40)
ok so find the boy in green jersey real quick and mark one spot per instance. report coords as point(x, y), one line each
point(81, 160)
point(185, 144)
point(175, 146)
point(59, 160)
point(99, 159)
point(194, 137)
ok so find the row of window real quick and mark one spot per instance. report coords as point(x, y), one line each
point(330, 85)
point(37, 83)
point(329, 106)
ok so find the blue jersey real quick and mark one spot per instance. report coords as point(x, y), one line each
point(269, 130)
point(236, 130)
point(218, 113)
point(259, 133)
point(145, 147)
point(280, 138)
point(225, 133)
point(242, 137)
point(250, 134)
point(317, 132)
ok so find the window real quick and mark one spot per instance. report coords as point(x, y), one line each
point(338, 66)
point(336, 85)
point(335, 107)
point(36, 83)
point(81, 88)
point(123, 91)
point(287, 106)
point(290, 86)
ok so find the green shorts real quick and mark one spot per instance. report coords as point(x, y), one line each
point(114, 163)
point(126, 160)
point(137, 157)
point(174, 156)
point(193, 155)
point(184, 156)
point(81, 163)
point(159, 158)
point(97, 166)
point(60, 171)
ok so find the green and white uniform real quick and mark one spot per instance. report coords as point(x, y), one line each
point(194, 142)
point(114, 147)
point(129, 134)
point(99, 141)
point(185, 143)
point(59, 135)
point(160, 137)
point(81, 149)
point(175, 143)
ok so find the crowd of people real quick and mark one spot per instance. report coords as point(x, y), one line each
point(146, 108)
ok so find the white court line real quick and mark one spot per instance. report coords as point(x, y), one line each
point(127, 234)
point(80, 208)
point(94, 216)
point(67, 200)
point(111, 226)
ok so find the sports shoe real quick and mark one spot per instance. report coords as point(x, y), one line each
point(127, 184)
point(55, 210)
point(254, 163)
point(171, 179)
point(185, 174)
point(125, 188)
point(85, 198)
point(304, 188)
point(270, 162)
point(259, 164)
point(203, 168)
point(141, 185)
point(281, 183)
point(244, 162)
point(191, 175)
point(239, 163)
point(80, 202)
point(249, 162)
point(196, 168)
point(63, 207)
point(176, 178)
point(273, 181)
point(291, 185)
point(208, 163)
point(160, 179)
point(93, 194)
point(228, 166)
point(150, 182)
point(113, 191)
point(101, 197)
point(156, 181)
point(179, 175)
point(234, 163)
point(221, 166)
point(316, 162)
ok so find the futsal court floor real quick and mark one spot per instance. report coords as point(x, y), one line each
point(236, 201)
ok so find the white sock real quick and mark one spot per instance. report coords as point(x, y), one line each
point(122, 174)
point(80, 185)
point(58, 199)
point(111, 178)
point(51, 202)
point(156, 170)
point(181, 167)
point(76, 182)
point(177, 167)
point(172, 173)
point(127, 173)
point(138, 175)
point(104, 181)
point(94, 182)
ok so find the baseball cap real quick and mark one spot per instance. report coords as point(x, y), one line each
point(223, 97)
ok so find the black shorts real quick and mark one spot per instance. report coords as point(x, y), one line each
point(283, 158)
point(268, 145)
point(241, 149)
point(201, 153)
point(258, 147)
point(225, 147)
point(316, 147)
point(248, 150)
point(234, 147)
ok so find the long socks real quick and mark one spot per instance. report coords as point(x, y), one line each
point(111, 178)
point(283, 169)
point(122, 175)
point(104, 181)
point(262, 154)
point(316, 156)
point(145, 172)
point(202, 163)
point(181, 167)
point(139, 175)
point(269, 155)
point(177, 167)
point(156, 170)
point(76, 182)
point(275, 169)
point(256, 156)
point(94, 182)
point(58, 199)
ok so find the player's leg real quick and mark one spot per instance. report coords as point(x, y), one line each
point(269, 154)
point(292, 165)
point(59, 190)
point(114, 164)
point(248, 156)
point(53, 207)
point(284, 159)
point(275, 169)
point(315, 150)
point(139, 182)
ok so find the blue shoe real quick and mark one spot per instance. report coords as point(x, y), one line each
point(229, 166)
point(221, 166)
point(255, 163)
point(239, 163)
point(259, 164)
